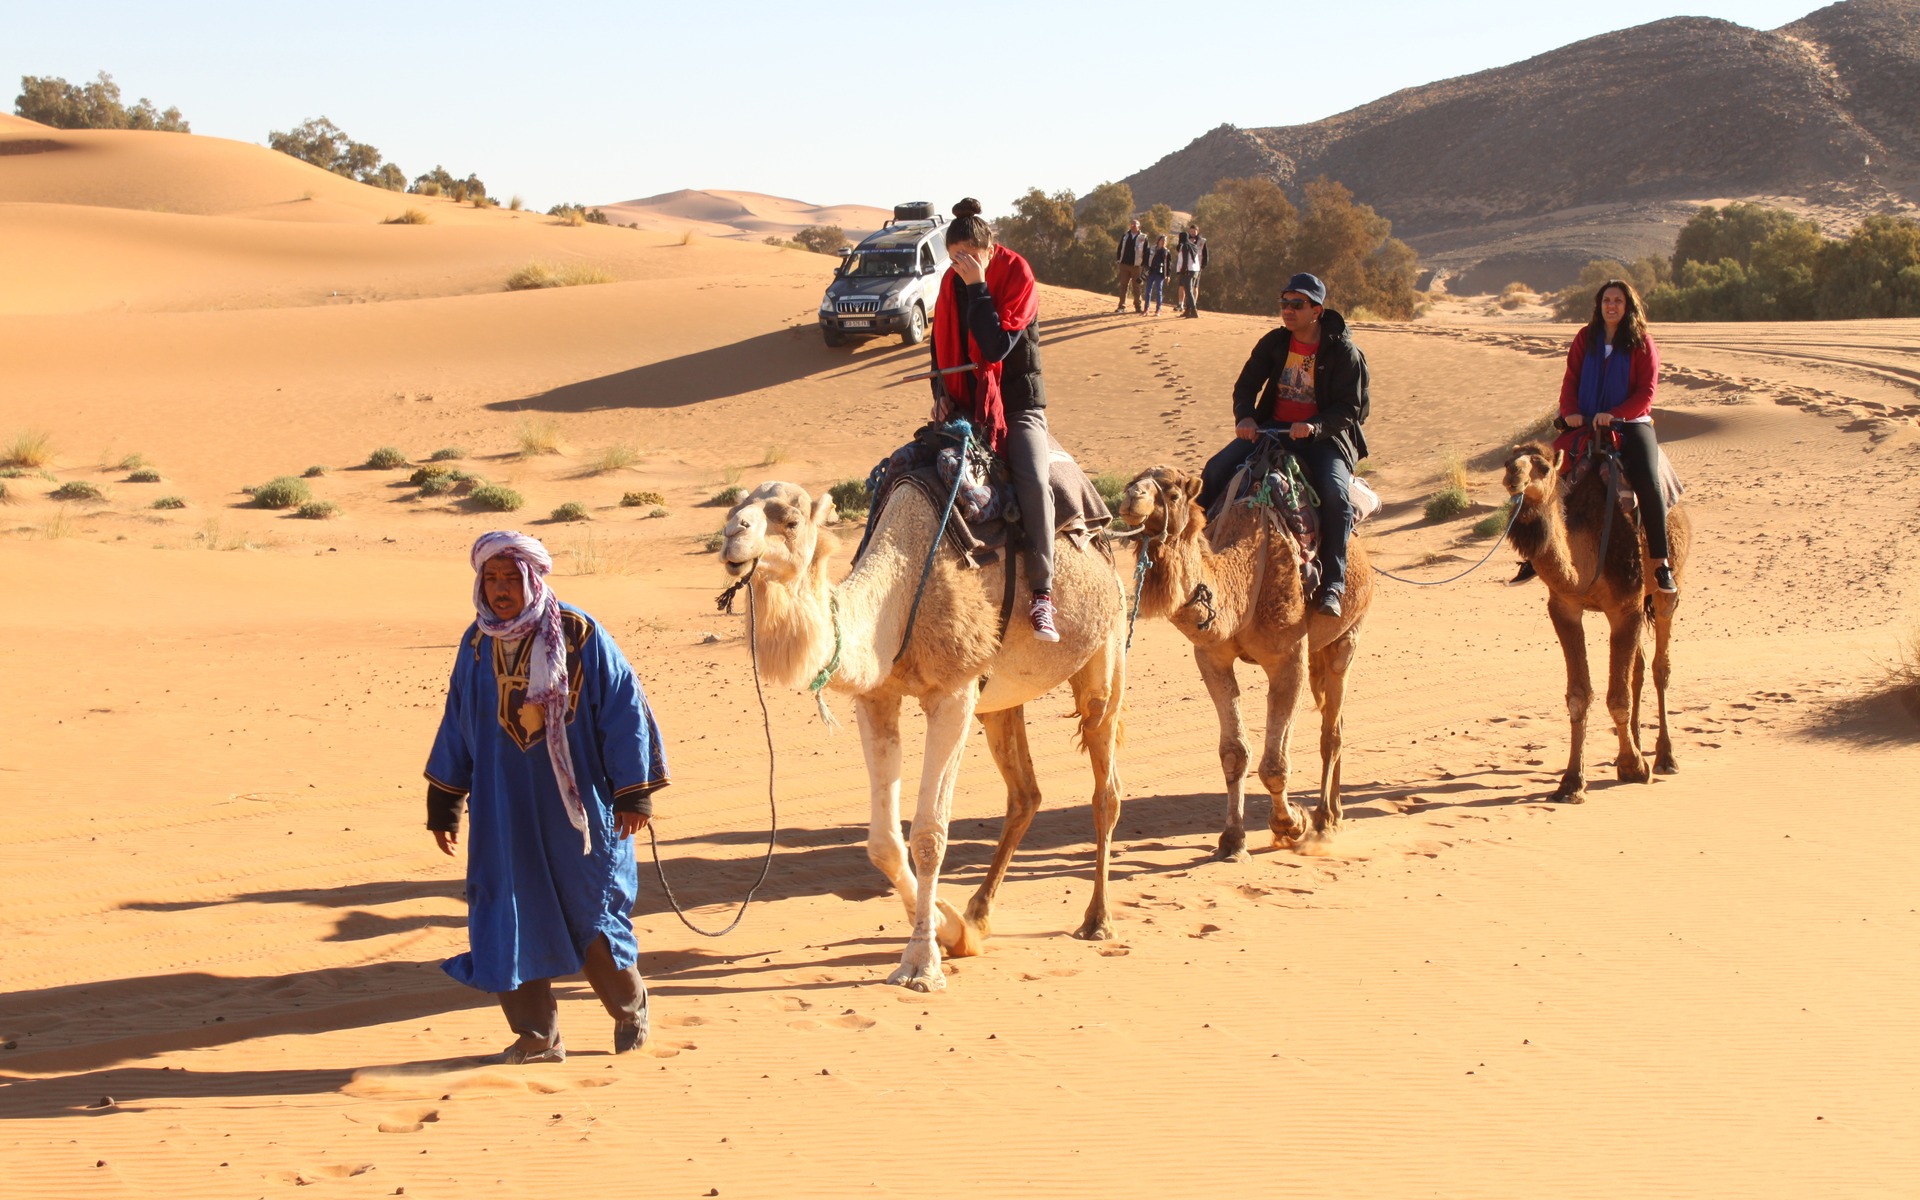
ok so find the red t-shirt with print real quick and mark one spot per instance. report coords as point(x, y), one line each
point(1295, 401)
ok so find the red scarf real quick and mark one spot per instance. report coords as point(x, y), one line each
point(977, 393)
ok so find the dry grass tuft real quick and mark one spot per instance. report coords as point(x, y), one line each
point(318, 510)
point(129, 462)
point(77, 489)
point(169, 502)
point(448, 454)
point(728, 497)
point(494, 498)
point(572, 510)
point(1492, 524)
point(58, 525)
point(386, 458)
point(283, 492)
point(1903, 673)
point(614, 458)
point(851, 498)
point(545, 275)
point(1453, 469)
point(641, 499)
point(686, 239)
point(1447, 503)
point(412, 216)
point(774, 455)
point(144, 475)
point(29, 448)
point(314, 472)
point(537, 437)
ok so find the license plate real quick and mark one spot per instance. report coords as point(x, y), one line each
point(856, 324)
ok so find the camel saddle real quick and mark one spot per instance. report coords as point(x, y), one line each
point(986, 513)
point(1581, 459)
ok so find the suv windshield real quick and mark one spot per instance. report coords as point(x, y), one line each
point(870, 264)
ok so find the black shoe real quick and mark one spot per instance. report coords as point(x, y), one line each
point(1525, 572)
point(1663, 579)
point(1329, 604)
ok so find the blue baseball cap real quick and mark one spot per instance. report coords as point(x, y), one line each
point(1308, 286)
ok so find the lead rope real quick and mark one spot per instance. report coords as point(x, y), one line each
point(1139, 582)
point(773, 812)
point(933, 548)
point(1497, 543)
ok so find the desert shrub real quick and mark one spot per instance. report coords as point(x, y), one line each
point(516, 204)
point(573, 216)
point(578, 214)
point(1903, 673)
point(715, 540)
point(822, 239)
point(14, 472)
point(686, 239)
point(495, 498)
point(318, 510)
point(144, 475)
point(29, 448)
point(437, 485)
point(6, 496)
point(130, 462)
point(314, 472)
point(386, 458)
point(324, 144)
point(425, 188)
point(53, 101)
point(851, 497)
point(430, 471)
point(572, 510)
point(1516, 295)
point(283, 492)
point(537, 437)
point(441, 182)
point(411, 216)
point(480, 201)
point(1453, 469)
point(614, 458)
point(773, 455)
point(170, 502)
point(447, 454)
point(782, 243)
point(657, 511)
point(1112, 486)
point(641, 499)
point(1491, 524)
point(727, 497)
point(1447, 503)
point(544, 275)
point(77, 489)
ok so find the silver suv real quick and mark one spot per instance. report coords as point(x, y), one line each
point(889, 282)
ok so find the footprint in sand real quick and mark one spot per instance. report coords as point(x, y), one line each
point(409, 1122)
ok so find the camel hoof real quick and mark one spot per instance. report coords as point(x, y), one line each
point(972, 941)
point(1665, 765)
point(1633, 772)
point(1096, 929)
point(919, 979)
point(1573, 796)
point(1237, 854)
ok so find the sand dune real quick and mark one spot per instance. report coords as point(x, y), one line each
point(223, 918)
point(747, 215)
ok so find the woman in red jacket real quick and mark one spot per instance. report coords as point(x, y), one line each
point(988, 317)
point(1612, 370)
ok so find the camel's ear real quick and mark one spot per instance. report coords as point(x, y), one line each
point(1559, 456)
point(824, 512)
point(1191, 486)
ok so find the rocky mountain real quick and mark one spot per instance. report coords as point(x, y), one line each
point(1604, 147)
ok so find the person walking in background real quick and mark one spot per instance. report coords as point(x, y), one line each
point(1130, 257)
point(1189, 259)
point(1305, 382)
point(1156, 273)
point(548, 742)
point(988, 318)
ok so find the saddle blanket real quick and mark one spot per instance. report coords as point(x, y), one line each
point(986, 514)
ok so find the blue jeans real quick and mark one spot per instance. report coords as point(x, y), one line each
point(1330, 476)
point(1156, 285)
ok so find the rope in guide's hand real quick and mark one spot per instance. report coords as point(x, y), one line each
point(725, 603)
point(1497, 543)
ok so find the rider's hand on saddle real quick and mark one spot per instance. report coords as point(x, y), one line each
point(1300, 431)
point(1246, 430)
point(1603, 419)
point(1574, 420)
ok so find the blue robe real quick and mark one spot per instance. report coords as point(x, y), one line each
point(534, 902)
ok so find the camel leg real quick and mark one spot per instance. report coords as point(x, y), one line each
point(1216, 671)
point(1097, 691)
point(947, 720)
point(879, 721)
point(1285, 678)
point(1329, 666)
point(1664, 762)
point(1624, 651)
point(1007, 739)
point(1573, 647)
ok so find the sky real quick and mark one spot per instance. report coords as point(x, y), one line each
point(833, 104)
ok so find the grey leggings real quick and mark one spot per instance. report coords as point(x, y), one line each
point(532, 1011)
point(1028, 457)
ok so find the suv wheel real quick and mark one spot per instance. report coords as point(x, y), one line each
point(916, 327)
point(832, 337)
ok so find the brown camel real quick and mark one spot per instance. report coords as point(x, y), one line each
point(957, 665)
point(1234, 591)
point(1559, 530)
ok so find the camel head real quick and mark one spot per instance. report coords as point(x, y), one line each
point(1533, 473)
point(1160, 501)
point(778, 532)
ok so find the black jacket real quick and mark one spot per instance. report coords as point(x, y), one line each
point(1021, 385)
point(1339, 385)
point(1142, 243)
point(1156, 261)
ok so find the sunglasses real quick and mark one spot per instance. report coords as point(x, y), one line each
point(1296, 305)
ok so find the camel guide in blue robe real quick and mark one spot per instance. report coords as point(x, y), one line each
point(548, 740)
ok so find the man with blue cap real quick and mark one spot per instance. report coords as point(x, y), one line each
point(1307, 382)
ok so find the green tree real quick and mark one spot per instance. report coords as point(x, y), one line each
point(1252, 233)
point(1875, 272)
point(822, 239)
point(319, 141)
point(53, 101)
point(1353, 251)
point(1041, 228)
point(1157, 220)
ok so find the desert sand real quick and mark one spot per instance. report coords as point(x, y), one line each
point(223, 918)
